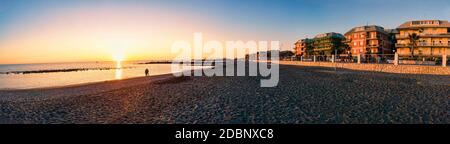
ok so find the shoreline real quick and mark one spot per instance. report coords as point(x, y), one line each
point(168, 75)
point(82, 89)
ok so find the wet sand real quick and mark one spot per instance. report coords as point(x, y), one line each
point(303, 95)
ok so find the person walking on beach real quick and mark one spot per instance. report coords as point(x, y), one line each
point(146, 72)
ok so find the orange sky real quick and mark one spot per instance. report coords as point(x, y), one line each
point(42, 31)
point(98, 35)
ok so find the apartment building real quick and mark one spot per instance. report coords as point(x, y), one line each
point(327, 43)
point(369, 40)
point(303, 46)
point(432, 38)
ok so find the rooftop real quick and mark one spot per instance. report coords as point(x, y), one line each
point(330, 34)
point(366, 28)
point(425, 24)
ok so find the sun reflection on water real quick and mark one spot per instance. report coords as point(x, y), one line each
point(118, 71)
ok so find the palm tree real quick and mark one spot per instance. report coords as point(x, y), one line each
point(413, 38)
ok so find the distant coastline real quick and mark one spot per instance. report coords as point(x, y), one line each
point(61, 70)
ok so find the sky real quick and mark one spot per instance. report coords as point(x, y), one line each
point(44, 31)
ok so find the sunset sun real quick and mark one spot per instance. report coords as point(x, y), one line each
point(118, 52)
point(118, 56)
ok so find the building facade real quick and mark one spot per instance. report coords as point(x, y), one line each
point(303, 46)
point(433, 38)
point(327, 43)
point(369, 40)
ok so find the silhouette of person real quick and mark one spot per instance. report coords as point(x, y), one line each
point(146, 72)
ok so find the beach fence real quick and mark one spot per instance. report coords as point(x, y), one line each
point(316, 58)
point(385, 58)
point(394, 59)
point(378, 58)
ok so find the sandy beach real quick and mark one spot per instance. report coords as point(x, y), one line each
point(303, 95)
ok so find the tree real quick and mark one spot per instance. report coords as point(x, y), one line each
point(346, 46)
point(413, 38)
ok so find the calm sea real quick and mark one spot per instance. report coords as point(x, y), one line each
point(25, 76)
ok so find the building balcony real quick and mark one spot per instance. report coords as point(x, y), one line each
point(398, 36)
point(322, 49)
point(422, 35)
point(401, 45)
point(347, 41)
point(373, 37)
point(425, 45)
point(374, 45)
point(434, 44)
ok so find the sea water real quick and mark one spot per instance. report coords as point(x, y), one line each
point(26, 76)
